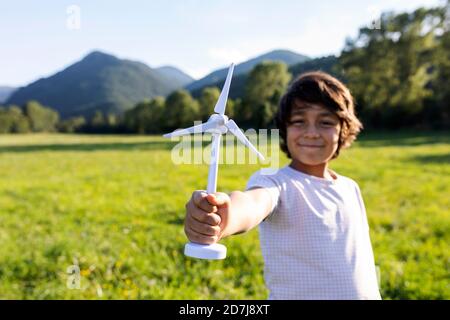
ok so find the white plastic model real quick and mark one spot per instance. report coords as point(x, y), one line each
point(217, 125)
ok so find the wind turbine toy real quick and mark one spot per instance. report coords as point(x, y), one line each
point(217, 124)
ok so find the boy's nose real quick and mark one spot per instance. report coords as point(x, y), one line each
point(311, 131)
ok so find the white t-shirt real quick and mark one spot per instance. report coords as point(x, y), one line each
point(315, 242)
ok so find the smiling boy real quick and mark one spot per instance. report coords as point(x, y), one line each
point(313, 226)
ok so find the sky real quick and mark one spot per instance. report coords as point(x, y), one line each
point(198, 36)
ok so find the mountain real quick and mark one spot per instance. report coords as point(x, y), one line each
point(237, 87)
point(174, 73)
point(5, 93)
point(326, 64)
point(285, 56)
point(98, 82)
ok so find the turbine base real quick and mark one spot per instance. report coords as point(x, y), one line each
point(214, 251)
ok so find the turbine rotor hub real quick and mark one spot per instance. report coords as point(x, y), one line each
point(220, 119)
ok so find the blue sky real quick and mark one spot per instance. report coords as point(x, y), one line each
point(197, 36)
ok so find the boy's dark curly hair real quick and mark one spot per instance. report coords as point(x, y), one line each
point(320, 88)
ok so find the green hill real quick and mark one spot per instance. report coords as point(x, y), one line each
point(176, 74)
point(286, 56)
point(98, 82)
point(237, 89)
point(5, 93)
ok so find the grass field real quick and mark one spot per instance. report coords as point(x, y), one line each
point(114, 207)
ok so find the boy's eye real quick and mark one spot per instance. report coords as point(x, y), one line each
point(297, 122)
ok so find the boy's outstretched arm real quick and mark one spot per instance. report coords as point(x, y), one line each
point(212, 217)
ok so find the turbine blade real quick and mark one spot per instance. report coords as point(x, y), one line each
point(234, 129)
point(222, 102)
point(195, 129)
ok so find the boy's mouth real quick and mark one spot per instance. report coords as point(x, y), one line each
point(309, 146)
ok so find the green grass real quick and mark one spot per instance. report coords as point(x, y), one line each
point(114, 206)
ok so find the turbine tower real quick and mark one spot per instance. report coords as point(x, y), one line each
point(217, 124)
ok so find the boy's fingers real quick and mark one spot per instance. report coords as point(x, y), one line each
point(199, 238)
point(206, 206)
point(203, 228)
point(212, 219)
point(218, 199)
point(199, 199)
point(197, 196)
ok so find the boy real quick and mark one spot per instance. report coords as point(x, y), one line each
point(313, 226)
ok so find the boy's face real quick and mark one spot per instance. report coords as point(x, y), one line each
point(312, 133)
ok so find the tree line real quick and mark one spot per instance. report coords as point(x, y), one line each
point(397, 70)
point(266, 83)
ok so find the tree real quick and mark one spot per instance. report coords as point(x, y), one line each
point(21, 123)
point(438, 113)
point(98, 120)
point(42, 119)
point(265, 85)
point(72, 125)
point(111, 120)
point(12, 120)
point(181, 110)
point(207, 101)
point(6, 120)
point(389, 70)
point(146, 116)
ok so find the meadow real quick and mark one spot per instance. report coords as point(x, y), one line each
point(113, 207)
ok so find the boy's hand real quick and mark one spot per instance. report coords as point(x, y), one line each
point(206, 216)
